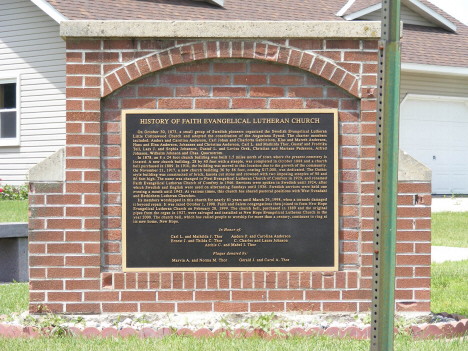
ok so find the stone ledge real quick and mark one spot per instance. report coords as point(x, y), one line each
point(220, 29)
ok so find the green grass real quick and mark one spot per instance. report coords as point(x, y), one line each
point(450, 287)
point(13, 211)
point(14, 298)
point(450, 229)
point(402, 343)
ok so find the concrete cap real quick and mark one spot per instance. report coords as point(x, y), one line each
point(221, 29)
point(410, 169)
point(50, 169)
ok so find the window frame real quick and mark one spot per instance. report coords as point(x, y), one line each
point(17, 80)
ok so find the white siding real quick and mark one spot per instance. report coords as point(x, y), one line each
point(30, 45)
point(433, 84)
point(407, 16)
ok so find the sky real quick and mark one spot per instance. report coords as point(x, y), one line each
point(455, 8)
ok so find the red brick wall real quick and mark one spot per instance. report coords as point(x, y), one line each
point(75, 227)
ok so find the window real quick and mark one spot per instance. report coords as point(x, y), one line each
point(9, 112)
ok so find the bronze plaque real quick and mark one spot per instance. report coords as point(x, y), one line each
point(236, 190)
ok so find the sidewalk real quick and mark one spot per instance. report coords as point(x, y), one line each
point(445, 253)
point(449, 204)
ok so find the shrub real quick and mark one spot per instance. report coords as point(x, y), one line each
point(13, 192)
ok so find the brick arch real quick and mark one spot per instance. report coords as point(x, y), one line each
point(225, 84)
point(269, 52)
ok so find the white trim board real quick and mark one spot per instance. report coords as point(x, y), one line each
point(345, 8)
point(429, 14)
point(50, 10)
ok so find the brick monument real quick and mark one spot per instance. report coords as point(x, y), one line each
point(75, 228)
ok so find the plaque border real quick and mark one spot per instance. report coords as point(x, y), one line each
point(333, 268)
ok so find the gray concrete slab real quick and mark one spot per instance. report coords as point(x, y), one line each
point(14, 252)
point(14, 263)
point(445, 253)
point(449, 204)
point(14, 230)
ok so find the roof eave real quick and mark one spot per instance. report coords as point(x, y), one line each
point(415, 5)
point(219, 3)
point(429, 14)
point(220, 29)
point(363, 12)
point(434, 69)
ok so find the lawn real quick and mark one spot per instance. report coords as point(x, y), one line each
point(14, 297)
point(450, 229)
point(449, 287)
point(403, 343)
point(13, 211)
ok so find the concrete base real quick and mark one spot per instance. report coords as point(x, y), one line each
point(14, 263)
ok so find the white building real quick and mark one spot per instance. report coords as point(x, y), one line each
point(32, 87)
